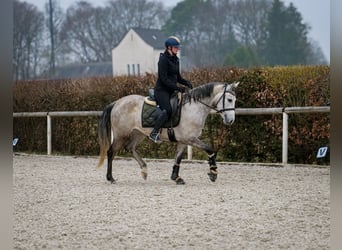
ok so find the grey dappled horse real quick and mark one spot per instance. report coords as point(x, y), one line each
point(123, 119)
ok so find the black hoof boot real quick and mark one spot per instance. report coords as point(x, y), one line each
point(175, 177)
point(213, 174)
point(179, 181)
point(212, 177)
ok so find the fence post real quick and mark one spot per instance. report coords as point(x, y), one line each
point(285, 137)
point(48, 129)
point(189, 152)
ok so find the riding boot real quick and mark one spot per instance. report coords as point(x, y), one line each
point(161, 119)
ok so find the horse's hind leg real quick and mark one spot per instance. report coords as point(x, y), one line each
point(135, 139)
point(112, 151)
point(175, 171)
point(110, 157)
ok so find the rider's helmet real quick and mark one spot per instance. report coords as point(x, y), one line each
point(172, 41)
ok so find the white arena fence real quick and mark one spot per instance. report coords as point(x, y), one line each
point(239, 111)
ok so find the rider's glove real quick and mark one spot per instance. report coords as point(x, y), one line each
point(181, 89)
point(189, 85)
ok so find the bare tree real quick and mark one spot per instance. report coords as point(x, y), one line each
point(206, 29)
point(27, 34)
point(215, 36)
point(249, 20)
point(78, 31)
point(54, 18)
point(137, 13)
point(91, 32)
point(212, 29)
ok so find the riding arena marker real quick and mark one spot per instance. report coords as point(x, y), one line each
point(322, 152)
point(15, 141)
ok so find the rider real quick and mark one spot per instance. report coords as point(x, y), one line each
point(168, 76)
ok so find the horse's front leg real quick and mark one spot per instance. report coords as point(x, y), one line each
point(175, 171)
point(212, 166)
point(211, 157)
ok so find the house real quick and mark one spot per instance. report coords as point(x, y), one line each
point(138, 52)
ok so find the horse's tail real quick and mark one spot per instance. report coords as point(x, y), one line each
point(104, 132)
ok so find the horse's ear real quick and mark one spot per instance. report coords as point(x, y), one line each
point(235, 84)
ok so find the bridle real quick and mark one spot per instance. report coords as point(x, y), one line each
point(224, 99)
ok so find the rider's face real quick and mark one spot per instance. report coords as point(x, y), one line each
point(174, 50)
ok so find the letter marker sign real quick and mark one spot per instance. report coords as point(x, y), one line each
point(322, 152)
point(15, 141)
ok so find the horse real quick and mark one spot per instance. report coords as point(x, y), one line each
point(122, 120)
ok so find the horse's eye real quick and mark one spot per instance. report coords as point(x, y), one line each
point(230, 100)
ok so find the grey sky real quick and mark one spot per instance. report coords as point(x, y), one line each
point(315, 13)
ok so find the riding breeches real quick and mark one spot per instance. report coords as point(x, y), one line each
point(163, 100)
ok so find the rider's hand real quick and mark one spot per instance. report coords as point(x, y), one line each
point(181, 89)
point(189, 85)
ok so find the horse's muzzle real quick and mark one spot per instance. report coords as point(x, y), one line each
point(228, 120)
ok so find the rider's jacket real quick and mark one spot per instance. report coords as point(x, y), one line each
point(168, 73)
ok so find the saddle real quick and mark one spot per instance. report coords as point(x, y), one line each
point(150, 110)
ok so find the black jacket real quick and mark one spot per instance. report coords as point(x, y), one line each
point(168, 73)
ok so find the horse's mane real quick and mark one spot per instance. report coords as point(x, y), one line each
point(200, 92)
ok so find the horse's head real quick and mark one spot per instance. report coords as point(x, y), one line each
point(224, 101)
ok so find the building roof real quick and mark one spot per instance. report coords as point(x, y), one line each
point(153, 37)
point(84, 70)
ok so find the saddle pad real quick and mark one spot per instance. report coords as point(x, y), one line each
point(148, 116)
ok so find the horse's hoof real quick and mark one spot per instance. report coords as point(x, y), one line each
point(144, 174)
point(111, 179)
point(179, 181)
point(212, 177)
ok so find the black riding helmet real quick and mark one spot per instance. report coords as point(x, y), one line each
point(172, 41)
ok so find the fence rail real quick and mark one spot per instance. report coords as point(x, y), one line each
point(239, 111)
